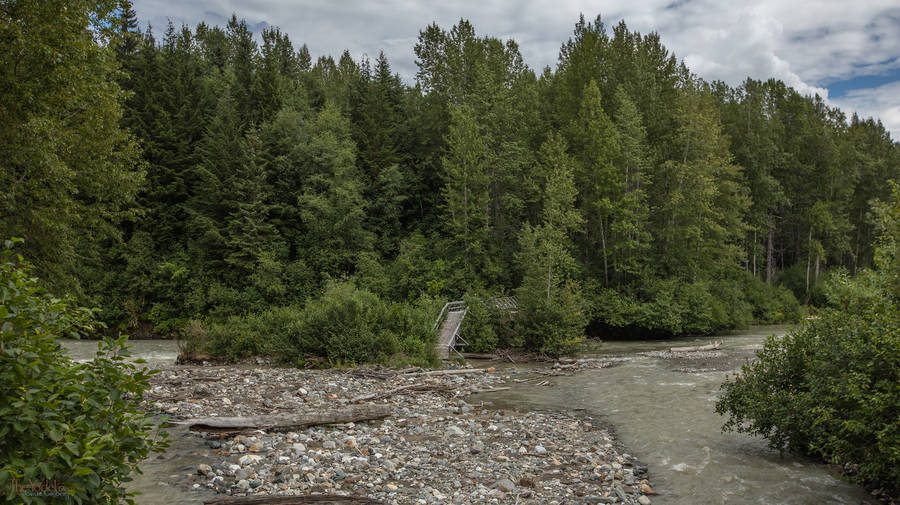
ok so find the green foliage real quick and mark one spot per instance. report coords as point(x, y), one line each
point(832, 387)
point(828, 389)
point(771, 304)
point(77, 425)
point(481, 324)
point(346, 325)
point(555, 326)
point(662, 199)
point(69, 172)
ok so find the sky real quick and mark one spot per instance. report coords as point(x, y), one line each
point(847, 52)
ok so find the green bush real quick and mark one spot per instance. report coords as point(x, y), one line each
point(479, 328)
point(75, 428)
point(770, 304)
point(830, 389)
point(346, 325)
point(555, 327)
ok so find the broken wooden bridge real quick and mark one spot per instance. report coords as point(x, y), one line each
point(450, 322)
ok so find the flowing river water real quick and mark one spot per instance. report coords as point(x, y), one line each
point(662, 410)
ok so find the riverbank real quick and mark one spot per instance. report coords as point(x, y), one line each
point(435, 447)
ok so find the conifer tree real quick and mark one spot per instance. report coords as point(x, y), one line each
point(465, 193)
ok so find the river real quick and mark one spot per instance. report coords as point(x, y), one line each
point(663, 414)
point(666, 418)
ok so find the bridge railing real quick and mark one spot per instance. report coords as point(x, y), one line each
point(448, 307)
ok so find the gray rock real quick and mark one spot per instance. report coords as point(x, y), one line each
point(204, 469)
point(540, 449)
point(643, 500)
point(504, 485)
point(620, 492)
point(329, 444)
point(243, 484)
point(249, 459)
point(477, 447)
point(455, 430)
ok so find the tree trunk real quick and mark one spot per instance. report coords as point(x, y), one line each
point(770, 255)
point(605, 262)
point(753, 245)
point(808, 262)
point(292, 500)
point(549, 269)
point(818, 263)
point(280, 422)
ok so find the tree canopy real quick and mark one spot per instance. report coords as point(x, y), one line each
point(214, 173)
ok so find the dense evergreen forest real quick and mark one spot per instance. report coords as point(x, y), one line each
point(192, 179)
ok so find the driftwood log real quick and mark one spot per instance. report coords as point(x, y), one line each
point(461, 371)
point(321, 499)
point(711, 347)
point(489, 390)
point(409, 387)
point(278, 422)
point(480, 355)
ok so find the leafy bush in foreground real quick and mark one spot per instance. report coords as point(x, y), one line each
point(832, 388)
point(73, 428)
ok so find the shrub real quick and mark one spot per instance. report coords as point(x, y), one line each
point(479, 328)
point(830, 389)
point(345, 325)
point(552, 327)
point(770, 304)
point(75, 426)
point(348, 325)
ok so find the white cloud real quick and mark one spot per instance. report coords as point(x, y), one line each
point(806, 44)
point(881, 102)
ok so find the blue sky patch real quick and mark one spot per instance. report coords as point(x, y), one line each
point(838, 89)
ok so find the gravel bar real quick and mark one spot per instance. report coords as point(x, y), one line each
point(434, 448)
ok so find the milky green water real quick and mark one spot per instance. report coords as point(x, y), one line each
point(664, 416)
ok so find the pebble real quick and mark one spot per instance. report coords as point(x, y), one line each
point(435, 448)
point(504, 485)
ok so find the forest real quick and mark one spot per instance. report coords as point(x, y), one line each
point(208, 182)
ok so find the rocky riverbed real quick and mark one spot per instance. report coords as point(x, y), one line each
point(435, 447)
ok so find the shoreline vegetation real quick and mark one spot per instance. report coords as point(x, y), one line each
point(235, 191)
point(224, 180)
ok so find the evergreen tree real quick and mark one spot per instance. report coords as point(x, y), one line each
point(465, 192)
point(331, 206)
point(549, 296)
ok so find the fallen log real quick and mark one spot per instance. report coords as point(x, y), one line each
point(711, 347)
point(479, 355)
point(321, 499)
point(278, 422)
point(489, 390)
point(445, 372)
point(408, 387)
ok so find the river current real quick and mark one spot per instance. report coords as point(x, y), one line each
point(662, 413)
